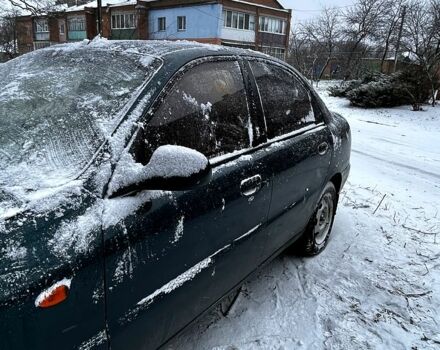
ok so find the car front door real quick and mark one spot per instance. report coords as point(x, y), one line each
point(177, 253)
point(299, 149)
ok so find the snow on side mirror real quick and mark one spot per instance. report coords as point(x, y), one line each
point(171, 168)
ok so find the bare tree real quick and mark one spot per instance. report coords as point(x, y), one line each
point(8, 34)
point(325, 32)
point(34, 7)
point(361, 23)
point(388, 26)
point(298, 49)
point(421, 38)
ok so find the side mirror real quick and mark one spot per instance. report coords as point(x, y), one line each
point(171, 168)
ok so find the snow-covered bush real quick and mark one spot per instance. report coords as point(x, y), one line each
point(416, 84)
point(383, 91)
point(342, 89)
point(375, 90)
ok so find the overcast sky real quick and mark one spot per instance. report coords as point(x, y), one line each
point(305, 9)
point(302, 9)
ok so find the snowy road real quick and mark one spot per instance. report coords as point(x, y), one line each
point(377, 285)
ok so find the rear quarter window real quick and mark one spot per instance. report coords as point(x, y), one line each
point(287, 103)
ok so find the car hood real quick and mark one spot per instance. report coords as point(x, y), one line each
point(45, 237)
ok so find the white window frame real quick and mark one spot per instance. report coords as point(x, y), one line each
point(278, 52)
point(123, 20)
point(76, 24)
point(272, 25)
point(161, 21)
point(41, 25)
point(181, 23)
point(62, 28)
point(247, 20)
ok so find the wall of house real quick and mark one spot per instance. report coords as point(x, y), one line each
point(202, 22)
point(238, 35)
point(24, 34)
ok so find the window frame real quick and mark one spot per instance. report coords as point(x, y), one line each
point(160, 21)
point(76, 24)
point(123, 20)
point(272, 25)
point(322, 117)
point(181, 23)
point(167, 88)
point(41, 25)
point(247, 20)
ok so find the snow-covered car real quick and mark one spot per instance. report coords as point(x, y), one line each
point(141, 182)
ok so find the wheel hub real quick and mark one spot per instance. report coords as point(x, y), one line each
point(324, 216)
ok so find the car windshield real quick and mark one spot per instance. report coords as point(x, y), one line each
point(58, 105)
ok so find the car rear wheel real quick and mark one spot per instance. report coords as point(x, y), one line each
point(317, 233)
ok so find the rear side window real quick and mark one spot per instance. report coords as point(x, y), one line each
point(205, 110)
point(286, 102)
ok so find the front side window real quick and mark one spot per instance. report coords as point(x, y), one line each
point(286, 101)
point(162, 24)
point(181, 23)
point(205, 110)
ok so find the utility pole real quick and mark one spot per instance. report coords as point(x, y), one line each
point(399, 37)
point(99, 17)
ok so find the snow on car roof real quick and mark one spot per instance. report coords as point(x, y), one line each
point(159, 48)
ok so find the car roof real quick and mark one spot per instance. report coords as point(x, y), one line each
point(179, 51)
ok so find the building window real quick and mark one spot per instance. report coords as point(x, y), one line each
point(277, 52)
point(181, 23)
point(41, 45)
point(62, 29)
point(238, 20)
point(162, 23)
point(123, 21)
point(76, 24)
point(41, 26)
point(272, 25)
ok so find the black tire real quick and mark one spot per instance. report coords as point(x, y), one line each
point(315, 237)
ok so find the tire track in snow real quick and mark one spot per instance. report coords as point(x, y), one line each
point(398, 164)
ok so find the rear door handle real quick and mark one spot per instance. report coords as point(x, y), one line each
point(323, 148)
point(251, 185)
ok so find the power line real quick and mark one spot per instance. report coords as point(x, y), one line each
point(331, 8)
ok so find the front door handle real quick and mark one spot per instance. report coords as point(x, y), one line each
point(323, 148)
point(251, 185)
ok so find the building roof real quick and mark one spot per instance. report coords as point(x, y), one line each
point(281, 8)
point(105, 3)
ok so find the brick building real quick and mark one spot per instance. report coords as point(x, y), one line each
point(263, 25)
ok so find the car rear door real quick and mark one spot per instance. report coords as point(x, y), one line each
point(177, 253)
point(299, 147)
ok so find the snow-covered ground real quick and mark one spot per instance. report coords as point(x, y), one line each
point(377, 285)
